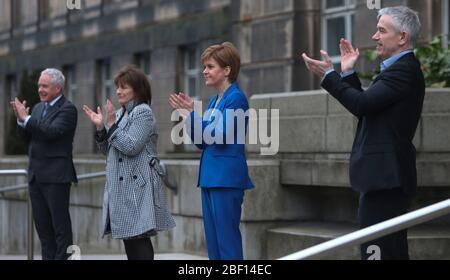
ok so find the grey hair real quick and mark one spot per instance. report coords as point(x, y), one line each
point(405, 20)
point(57, 76)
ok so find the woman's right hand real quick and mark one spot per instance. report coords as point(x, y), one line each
point(182, 102)
point(96, 118)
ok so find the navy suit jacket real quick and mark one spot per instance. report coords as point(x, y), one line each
point(50, 142)
point(383, 155)
point(222, 164)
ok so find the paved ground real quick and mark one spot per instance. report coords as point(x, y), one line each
point(169, 256)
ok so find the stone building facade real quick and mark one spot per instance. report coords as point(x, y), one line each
point(302, 195)
point(166, 37)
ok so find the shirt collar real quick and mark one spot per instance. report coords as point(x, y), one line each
point(51, 103)
point(391, 60)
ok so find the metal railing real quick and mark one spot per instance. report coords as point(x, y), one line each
point(23, 172)
point(30, 239)
point(373, 232)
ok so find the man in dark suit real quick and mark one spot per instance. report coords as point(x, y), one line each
point(383, 158)
point(50, 130)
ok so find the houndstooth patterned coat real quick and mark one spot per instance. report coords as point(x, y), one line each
point(134, 202)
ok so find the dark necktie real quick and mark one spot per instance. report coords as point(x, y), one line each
point(46, 107)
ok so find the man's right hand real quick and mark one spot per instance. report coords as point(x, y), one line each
point(349, 55)
point(20, 109)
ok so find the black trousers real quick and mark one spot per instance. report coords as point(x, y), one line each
point(50, 205)
point(379, 206)
point(139, 249)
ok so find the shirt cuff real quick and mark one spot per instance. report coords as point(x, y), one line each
point(347, 73)
point(24, 123)
point(326, 74)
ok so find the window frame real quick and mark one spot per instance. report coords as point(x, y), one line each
point(70, 72)
point(104, 67)
point(143, 59)
point(348, 12)
point(189, 73)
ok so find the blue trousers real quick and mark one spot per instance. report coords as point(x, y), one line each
point(221, 218)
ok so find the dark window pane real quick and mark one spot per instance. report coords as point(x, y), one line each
point(107, 92)
point(334, 3)
point(335, 31)
point(192, 86)
point(353, 27)
point(147, 65)
point(106, 70)
point(192, 60)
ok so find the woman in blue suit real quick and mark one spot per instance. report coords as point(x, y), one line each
point(223, 174)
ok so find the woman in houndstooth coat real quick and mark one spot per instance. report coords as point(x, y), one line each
point(134, 206)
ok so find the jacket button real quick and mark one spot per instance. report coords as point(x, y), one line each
point(120, 159)
point(120, 178)
point(134, 177)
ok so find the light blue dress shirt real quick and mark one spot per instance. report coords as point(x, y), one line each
point(383, 66)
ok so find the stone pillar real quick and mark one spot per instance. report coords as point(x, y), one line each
point(84, 136)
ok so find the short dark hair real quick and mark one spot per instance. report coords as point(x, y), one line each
point(225, 55)
point(137, 80)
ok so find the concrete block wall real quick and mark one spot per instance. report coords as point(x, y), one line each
point(267, 206)
point(85, 210)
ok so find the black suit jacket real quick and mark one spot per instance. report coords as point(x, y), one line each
point(383, 155)
point(50, 142)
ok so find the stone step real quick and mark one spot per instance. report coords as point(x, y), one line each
point(426, 242)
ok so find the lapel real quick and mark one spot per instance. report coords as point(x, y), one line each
point(376, 79)
point(125, 118)
point(387, 69)
point(221, 105)
point(53, 109)
point(123, 122)
point(37, 111)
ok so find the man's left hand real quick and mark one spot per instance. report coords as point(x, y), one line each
point(318, 67)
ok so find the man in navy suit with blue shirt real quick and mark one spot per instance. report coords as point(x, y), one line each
point(383, 158)
point(50, 130)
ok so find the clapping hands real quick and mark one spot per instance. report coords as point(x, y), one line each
point(349, 55)
point(183, 103)
point(20, 109)
point(97, 117)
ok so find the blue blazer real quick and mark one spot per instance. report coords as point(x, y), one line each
point(223, 163)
